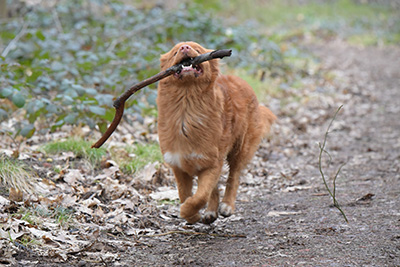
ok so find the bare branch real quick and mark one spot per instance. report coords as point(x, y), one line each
point(321, 151)
point(11, 45)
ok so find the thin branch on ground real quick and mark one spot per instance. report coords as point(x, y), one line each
point(194, 233)
point(321, 151)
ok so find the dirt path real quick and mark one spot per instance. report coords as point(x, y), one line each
point(287, 218)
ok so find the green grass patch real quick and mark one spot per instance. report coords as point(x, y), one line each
point(80, 147)
point(15, 174)
point(133, 158)
point(36, 214)
point(362, 23)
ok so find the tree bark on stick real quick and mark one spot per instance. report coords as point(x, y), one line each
point(119, 103)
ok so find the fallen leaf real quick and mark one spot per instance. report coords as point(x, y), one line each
point(15, 195)
point(295, 188)
point(171, 194)
point(73, 176)
point(367, 197)
point(4, 201)
point(148, 171)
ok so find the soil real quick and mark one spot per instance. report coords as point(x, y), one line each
point(284, 215)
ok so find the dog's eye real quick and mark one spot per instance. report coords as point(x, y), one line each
point(198, 51)
point(175, 53)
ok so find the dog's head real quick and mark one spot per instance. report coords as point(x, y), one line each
point(205, 72)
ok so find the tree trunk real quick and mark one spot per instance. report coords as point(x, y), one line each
point(3, 9)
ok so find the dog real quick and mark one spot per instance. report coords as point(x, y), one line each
point(205, 118)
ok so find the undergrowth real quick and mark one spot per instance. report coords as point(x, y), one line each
point(15, 174)
point(130, 158)
point(133, 158)
point(80, 148)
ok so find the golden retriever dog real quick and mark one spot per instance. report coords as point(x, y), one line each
point(204, 119)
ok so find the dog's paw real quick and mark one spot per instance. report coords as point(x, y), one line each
point(209, 217)
point(193, 219)
point(188, 213)
point(225, 210)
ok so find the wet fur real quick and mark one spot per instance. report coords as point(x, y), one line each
point(204, 120)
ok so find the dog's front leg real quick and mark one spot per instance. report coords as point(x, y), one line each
point(184, 182)
point(207, 182)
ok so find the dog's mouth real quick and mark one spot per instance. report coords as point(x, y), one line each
point(188, 68)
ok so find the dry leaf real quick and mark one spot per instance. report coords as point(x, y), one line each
point(73, 176)
point(15, 195)
point(169, 194)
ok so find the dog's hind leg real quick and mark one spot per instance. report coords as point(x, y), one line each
point(242, 153)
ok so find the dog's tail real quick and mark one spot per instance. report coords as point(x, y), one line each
point(267, 118)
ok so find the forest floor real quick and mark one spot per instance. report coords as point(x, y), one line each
point(284, 215)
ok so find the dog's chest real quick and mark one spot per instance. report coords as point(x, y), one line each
point(186, 142)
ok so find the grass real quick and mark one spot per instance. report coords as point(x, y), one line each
point(130, 159)
point(80, 147)
point(35, 214)
point(15, 174)
point(365, 24)
point(133, 158)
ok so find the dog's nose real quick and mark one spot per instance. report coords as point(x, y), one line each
point(185, 48)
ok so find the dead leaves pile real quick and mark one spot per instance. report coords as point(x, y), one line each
point(76, 212)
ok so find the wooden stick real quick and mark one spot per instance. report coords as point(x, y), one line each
point(194, 233)
point(119, 103)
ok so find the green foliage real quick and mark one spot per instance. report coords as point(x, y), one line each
point(80, 147)
point(65, 64)
point(35, 214)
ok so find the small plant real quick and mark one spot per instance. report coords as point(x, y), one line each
point(80, 147)
point(321, 151)
point(62, 215)
point(134, 158)
point(36, 214)
point(15, 174)
point(28, 242)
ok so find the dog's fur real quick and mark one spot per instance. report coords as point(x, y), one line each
point(205, 118)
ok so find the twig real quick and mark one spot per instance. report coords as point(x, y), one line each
point(193, 233)
point(57, 20)
point(15, 40)
point(120, 101)
point(322, 150)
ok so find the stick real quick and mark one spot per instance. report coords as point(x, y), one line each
point(194, 233)
point(119, 103)
point(11, 45)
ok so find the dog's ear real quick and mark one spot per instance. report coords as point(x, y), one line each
point(164, 60)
